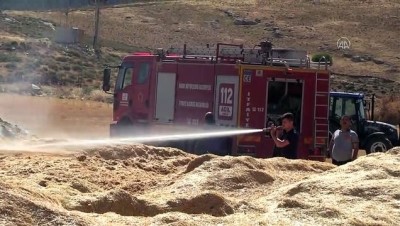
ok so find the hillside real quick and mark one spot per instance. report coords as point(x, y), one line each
point(372, 65)
point(298, 24)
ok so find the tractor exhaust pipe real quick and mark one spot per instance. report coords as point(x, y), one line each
point(372, 107)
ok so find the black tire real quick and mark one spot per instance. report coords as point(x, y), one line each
point(123, 128)
point(378, 144)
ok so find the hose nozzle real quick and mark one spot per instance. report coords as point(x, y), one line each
point(268, 129)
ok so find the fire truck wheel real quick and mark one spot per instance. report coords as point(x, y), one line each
point(123, 127)
point(378, 144)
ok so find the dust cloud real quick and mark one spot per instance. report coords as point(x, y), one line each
point(57, 118)
point(36, 114)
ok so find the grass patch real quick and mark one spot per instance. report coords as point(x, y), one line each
point(9, 57)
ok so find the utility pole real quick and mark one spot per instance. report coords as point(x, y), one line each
point(66, 13)
point(96, 26)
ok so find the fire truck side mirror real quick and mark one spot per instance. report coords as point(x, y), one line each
point(106, 79)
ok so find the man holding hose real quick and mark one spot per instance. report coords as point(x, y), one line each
point(287, 139)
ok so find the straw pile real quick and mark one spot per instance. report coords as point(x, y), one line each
point(144, 185)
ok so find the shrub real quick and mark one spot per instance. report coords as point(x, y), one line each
point(77, 68)
point(388, 110)
point(66, 67)
point(53, 66)
point(50, 78)
point(62, 59)
point(25, 46)
point(11, 66)
point(86, 90)
point(34, 63)
point(98, 95)
point(74, 53)
point(317, 57)
point(44, 69)
point(69, 81)
point(88, 64)
point(89, 74)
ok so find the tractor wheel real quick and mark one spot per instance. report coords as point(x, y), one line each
point(378, 144)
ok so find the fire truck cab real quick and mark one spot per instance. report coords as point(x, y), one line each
point(171, 90)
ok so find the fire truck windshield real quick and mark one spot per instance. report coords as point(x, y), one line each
point(124, 77)
point(351, 106)
point(361, 109)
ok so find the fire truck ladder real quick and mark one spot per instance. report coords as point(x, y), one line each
point(256, 55)
point(321, 113)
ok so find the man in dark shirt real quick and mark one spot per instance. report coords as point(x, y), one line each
point(286, 142)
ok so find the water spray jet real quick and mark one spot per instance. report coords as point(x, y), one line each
point(142, 139)
point(62, 146)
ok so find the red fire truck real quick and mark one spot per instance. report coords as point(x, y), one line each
point(171, 90)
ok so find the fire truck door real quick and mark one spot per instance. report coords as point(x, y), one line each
point(123, 89)
point(226, 99)
point(284, 95)
point(165, 103)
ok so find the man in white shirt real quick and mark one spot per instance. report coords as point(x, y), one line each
point(344, 144)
